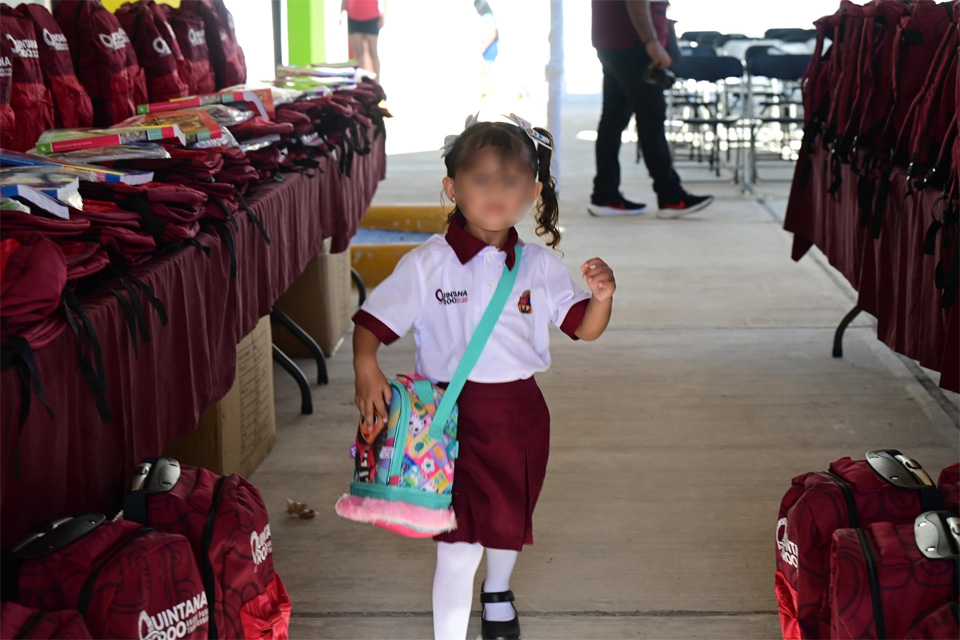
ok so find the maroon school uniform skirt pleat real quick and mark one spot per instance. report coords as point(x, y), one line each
point(504, 434)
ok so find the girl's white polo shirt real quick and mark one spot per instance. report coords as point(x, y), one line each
point(441, 290)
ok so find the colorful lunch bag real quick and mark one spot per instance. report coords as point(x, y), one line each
point(403, 481)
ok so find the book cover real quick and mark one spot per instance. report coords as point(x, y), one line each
point(60, 186)
point(59, 140)
point(95, 173)
point(260, 100)
point(197, 125)
point(37, 198)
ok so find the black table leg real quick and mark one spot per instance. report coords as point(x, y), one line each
point(306, 401)
point(838, 336)
point(286, 321)
point(362, 288)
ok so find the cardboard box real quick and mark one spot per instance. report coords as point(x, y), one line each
point(320, 301)
point(238, 431)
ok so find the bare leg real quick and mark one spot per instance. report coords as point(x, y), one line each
point(356, 47)
point(371, 43)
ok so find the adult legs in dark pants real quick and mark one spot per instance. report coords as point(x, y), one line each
point(625, 93)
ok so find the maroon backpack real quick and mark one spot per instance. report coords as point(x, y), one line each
point(936, 109)
point(226, 522)
point(846, 69)
point(29, 96)
point(917, 40)
point(71, 104)
point(886, 487)
point(8, 120)
point(195, 70)
point(126, 580)
point(816, 79)
point(940, 624)
point(104, 59)
point(949, 484)
point(17, 621)
point(154, 53)
point(873, 100)
point(226, 56)
point(885, 578)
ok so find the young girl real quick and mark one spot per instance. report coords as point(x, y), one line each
point(495, 174)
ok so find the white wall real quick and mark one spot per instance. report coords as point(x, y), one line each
point(253, 21)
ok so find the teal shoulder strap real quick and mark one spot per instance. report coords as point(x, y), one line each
point(479, 340)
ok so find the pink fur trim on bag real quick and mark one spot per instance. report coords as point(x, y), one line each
point(397, 516)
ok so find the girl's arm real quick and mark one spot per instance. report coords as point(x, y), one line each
point(373, 390)
point(599, 277)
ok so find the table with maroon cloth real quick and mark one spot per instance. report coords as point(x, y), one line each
point(895, 281)
point(75, 461)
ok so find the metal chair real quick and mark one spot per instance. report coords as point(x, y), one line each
point(790, 35)
point(696, 36)
point(780, 105)
point(709, 106)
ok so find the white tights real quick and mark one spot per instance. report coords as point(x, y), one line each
point(453, 586)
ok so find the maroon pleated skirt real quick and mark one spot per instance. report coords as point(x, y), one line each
point(504, 434)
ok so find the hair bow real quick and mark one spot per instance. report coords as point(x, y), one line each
point(537, 137)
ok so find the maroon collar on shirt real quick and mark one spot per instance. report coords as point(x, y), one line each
point(466, 246)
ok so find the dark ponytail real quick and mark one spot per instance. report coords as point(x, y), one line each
point(548, 209)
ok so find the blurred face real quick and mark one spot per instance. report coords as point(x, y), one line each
point(495, 189)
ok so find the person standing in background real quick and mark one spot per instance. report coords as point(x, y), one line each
point(630, 36)
point(364, 21)
point(489, 44)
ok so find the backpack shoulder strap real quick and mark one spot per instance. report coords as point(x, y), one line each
point(487, 322)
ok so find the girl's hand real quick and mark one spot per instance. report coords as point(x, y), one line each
point(599, 277)
point(373, 401)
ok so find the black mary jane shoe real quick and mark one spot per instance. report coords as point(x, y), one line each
point(490, 630)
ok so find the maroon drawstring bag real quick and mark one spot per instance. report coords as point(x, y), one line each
point(154, 54)
point(226, 56)
point(169, 212)
point(34, 275)
point(195, 69)
point(258, 127)
point(12, 221)
point(29, 96)
point(83, 258)
point(72, 108)
point(226, 522)
point(17, 621)
point(104, 59)
point(126, 580)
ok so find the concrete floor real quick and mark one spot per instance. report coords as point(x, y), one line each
point(674, 435)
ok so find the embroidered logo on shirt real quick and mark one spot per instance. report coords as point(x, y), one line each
point(451, 297)
point(524, 304)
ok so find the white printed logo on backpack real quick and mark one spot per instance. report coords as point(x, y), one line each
point(197, 37)
point(261, 546)
point(56, 41)
point(177, 621)
point(115, 41)
point(788, 550)
point(161, 47)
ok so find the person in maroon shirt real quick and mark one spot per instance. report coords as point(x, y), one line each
point(629, 36)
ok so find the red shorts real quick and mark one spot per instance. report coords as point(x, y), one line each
point(504, 435)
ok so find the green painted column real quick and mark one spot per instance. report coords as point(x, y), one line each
point(305, 29)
